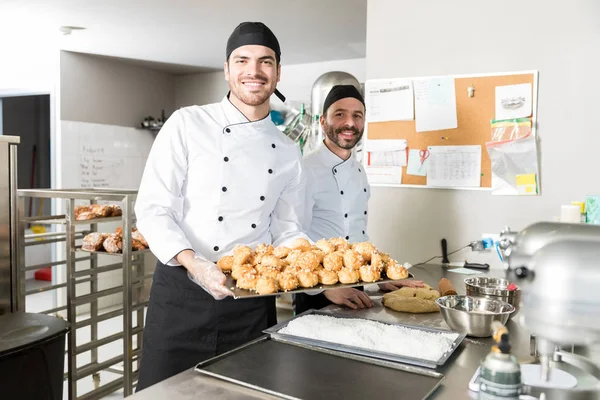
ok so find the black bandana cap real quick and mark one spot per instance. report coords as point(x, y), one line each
point(339, 92)
point(254, 33)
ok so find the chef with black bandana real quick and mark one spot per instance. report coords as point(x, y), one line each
point(338, 193)
point(217, 176)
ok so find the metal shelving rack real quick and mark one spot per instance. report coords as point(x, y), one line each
point(131, 263)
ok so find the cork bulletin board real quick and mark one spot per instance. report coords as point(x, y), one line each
point(474, 115)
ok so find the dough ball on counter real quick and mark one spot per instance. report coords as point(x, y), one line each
point(266, 285)
point(225, 264)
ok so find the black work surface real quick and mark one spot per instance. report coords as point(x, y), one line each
point(296, 372)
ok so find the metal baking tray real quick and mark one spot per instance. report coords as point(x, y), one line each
point(244, 293)
point(292, 371)
point(274, 333)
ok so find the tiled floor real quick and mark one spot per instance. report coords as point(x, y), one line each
point(43, 301)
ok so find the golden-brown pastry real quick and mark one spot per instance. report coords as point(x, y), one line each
point(94, 241)
point(101, 211)
point(368, 273)
point(377, 261)
point(334, 261)
point(307, 260)
point(113, 243)
point(287, 281)
point(264, 249)
point(248, 280)
point(353, 260)
point(365, 249)
point(291, 269)
point(81, 209)
point(300, 244)
point(136, 235)
point(272, 261)
point(325, 246)
point(238, 270)
point(293, 256)
point(85, 215)
point(136, 245)
point(225, 264)
point(267, 285)
point(347, 275)
point(267, 271)
point(115, 210)
point(396, 271)
point(320, 255)
point(327, 277)
point(307, 279)
point(241, 254)
point(340, 244)
point(281, 251)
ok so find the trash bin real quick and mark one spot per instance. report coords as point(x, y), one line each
point(32, 356)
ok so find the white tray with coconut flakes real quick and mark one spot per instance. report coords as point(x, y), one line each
point(303, 267)
point(416, 345)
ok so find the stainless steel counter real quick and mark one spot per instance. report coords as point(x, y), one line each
point(458, 370)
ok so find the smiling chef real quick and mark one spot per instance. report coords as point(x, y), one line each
point(217, 176)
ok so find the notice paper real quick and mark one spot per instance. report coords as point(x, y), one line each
point(435, 104)
point(389, 100)
point(454, 166)
point(389, 175)
point(514, 101)
point(415, 166)
point(386, 152)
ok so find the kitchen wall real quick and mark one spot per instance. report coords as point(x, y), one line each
point(411, 38)
point(106, 91)
point(296, 82)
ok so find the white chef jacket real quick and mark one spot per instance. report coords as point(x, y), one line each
point(214, 180)
point(338, 193)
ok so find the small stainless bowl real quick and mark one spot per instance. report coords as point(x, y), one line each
point(495, 289)
point(473, 315)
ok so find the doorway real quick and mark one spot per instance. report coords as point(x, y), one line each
point(28, 116)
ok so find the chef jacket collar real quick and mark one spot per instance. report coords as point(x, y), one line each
point(332, 160)
point(236, 117)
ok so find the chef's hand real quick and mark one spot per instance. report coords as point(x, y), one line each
point(349, 297)
point(391, 286)
point(209, 277)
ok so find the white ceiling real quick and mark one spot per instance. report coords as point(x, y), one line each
point(190, 35)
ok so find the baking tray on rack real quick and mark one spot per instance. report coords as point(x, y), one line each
point(244, 293)
point(292, 371)
point(276, 335)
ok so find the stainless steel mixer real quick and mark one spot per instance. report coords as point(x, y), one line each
point(559, 267)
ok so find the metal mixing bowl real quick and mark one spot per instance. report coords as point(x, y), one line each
point(473, 315)
point(495, 289)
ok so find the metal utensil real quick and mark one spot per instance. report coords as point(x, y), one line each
point(495, 289)
point(473, 315)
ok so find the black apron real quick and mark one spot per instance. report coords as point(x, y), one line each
point(303, 302)
point(185, 325)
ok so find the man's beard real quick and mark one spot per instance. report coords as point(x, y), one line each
point(252, 98)
point(334, 135)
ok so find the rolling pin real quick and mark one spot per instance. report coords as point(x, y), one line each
point(446, 288)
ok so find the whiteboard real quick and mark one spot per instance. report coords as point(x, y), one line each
point(102, 156)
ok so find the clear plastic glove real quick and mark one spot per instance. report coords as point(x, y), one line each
point(349, 297)
point(391, 286)
point(209, 277)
